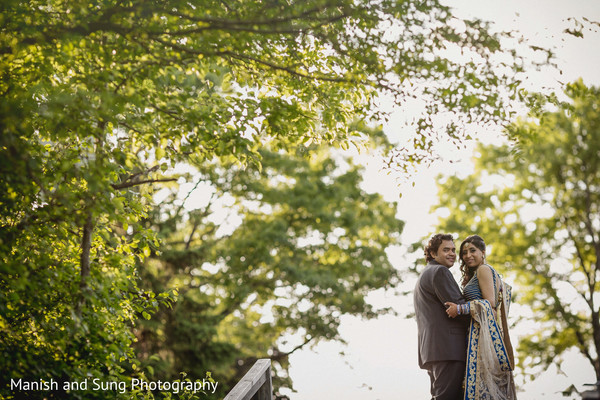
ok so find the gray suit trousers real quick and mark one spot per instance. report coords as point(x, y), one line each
point(446, 379)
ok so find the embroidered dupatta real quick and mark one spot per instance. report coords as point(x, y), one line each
point(490, 359)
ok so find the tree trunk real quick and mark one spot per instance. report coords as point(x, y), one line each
point(84, 259)
point(596, 335)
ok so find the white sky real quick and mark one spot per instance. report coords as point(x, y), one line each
point(380, 360)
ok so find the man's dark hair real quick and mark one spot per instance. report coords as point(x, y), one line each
point(434, 244)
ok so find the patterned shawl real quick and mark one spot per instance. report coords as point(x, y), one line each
point(490, 359)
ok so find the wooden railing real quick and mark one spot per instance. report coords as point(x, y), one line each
point(255, 385)
point(591, 394)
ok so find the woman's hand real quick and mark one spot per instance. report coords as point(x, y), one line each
point(451, 309)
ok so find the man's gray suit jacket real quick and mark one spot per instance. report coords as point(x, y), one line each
point(441, 338)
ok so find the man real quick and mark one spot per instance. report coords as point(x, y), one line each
point(442, 340)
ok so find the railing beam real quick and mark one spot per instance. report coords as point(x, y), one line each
point(255, 385)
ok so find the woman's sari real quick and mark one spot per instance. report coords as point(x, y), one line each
point(490, 358)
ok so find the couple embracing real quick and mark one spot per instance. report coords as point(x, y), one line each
point(463, 336)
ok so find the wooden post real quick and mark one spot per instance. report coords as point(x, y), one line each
point(255, 385)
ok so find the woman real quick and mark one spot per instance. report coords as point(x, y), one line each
point(490, 358)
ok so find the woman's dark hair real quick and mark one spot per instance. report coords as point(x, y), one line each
point(434, 244)
point(467, 273)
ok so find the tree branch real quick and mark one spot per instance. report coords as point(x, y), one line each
point(291, 71)
point(203, 215)
point(131, 180)
point(171, 114)
point(228, 26)
point(125, 185)
point(568, 318)
point(253, 22)
point(586, 271)
point(279, 355)
point(592, 233)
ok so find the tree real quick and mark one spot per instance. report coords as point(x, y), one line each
point(535, 201)
point(212, 78)
point(101, 99)
point(308, 246)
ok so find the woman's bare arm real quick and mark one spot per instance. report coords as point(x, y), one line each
point(486, 284)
